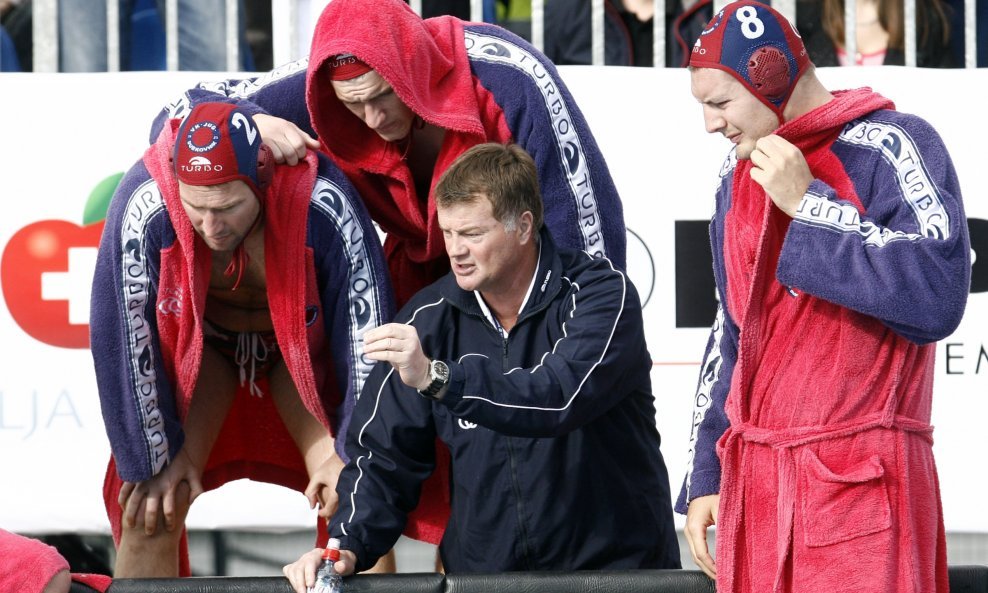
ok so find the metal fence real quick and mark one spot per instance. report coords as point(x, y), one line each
point(286, 32)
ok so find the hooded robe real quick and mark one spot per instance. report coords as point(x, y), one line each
point(326, 285)
point(480, 84)
point(813, 412)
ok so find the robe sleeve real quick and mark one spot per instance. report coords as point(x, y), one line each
point(136, 395)
point(907, 260)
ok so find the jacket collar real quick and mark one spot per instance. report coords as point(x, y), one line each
point(544, 286)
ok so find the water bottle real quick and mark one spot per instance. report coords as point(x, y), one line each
point(327, 579)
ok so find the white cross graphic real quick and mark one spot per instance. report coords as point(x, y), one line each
point(73, 285)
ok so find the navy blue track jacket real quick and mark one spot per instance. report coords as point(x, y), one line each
point(555, 454)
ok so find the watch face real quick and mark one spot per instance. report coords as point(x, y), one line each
point(440, 371)
point(439, 374)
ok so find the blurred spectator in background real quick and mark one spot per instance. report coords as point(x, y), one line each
point(260, 37)
point(201, 31)
point(15, 20)
point(513, 15)
point(458, 8)
point(880, 32)
point(956, 15)
point(628, 31)
point(8, 55)
point(628, 34)
point(83, 34)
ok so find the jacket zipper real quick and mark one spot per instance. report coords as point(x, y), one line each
point(526, 548)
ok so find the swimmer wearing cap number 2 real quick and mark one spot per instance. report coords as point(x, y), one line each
point(230, 300)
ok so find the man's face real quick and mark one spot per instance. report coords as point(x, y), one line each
point(372, 99)
point(222, 214)
point(730, 109)
point(482, 254)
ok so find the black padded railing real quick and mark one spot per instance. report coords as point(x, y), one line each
point(963, 579)
point(969, 579)
point(643, 581)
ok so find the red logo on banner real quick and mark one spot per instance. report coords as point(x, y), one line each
point(45, 266)
point(47, 271)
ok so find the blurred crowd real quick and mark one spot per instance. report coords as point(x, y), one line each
point(629, 39)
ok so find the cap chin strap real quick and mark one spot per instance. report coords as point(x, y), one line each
point(240, 260)
point(405, 144)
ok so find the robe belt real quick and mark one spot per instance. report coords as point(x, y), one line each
point(783, 440)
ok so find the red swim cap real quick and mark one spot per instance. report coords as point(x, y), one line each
point(218, 143)
point(757, 45)
point(346, 66)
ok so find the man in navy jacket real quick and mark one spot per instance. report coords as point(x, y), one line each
point(530, 363)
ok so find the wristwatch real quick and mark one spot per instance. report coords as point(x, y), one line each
point(439, 375)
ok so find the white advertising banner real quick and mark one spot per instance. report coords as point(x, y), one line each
point(66, 138)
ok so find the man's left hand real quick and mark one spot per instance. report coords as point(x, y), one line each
point(399, 344)
point(781, 170)
point(322, 486)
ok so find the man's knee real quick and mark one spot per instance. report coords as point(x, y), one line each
point(136, 540)
point(161, 538)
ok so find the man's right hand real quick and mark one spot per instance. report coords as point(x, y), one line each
point(163, 493)
point(302, 573)
point(399, 344)
point(701, 514)
point(288, 143)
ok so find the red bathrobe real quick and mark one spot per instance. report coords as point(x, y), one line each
point(28, 566)
point(253, 442)
point(828, 478)
point(479, 84)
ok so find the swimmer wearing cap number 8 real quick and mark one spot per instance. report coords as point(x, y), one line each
point(841, 255)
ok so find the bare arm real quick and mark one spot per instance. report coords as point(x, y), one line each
point(313, 440)
point(211, 401)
